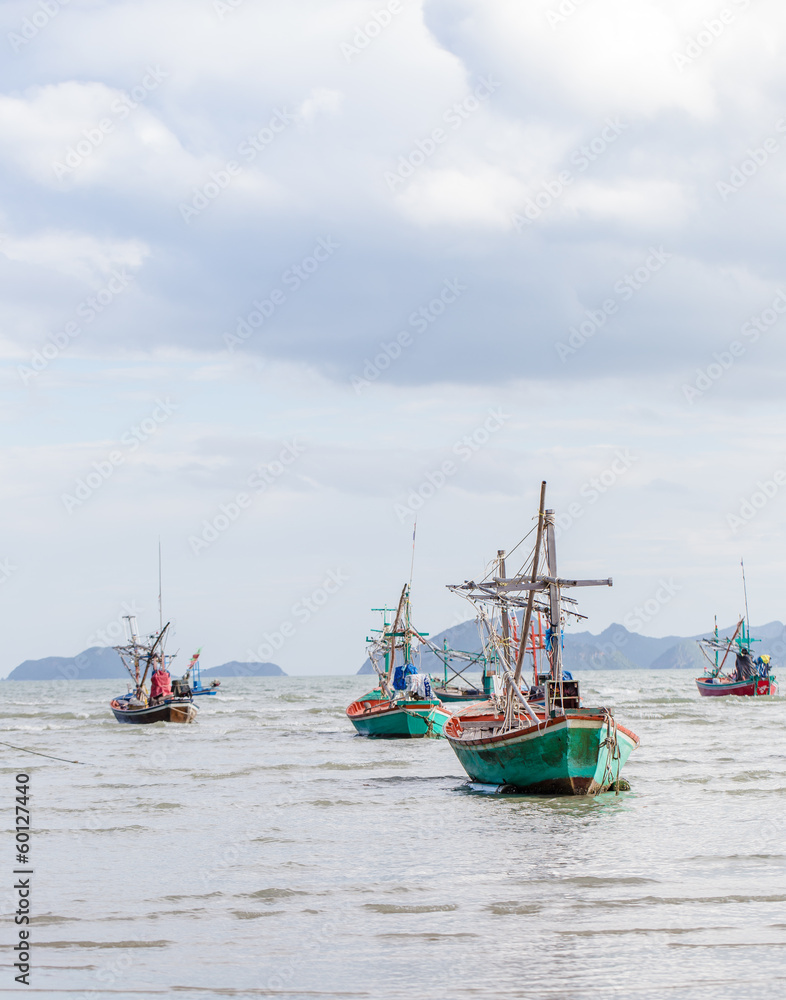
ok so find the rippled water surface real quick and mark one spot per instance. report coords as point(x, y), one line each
point(269, 851)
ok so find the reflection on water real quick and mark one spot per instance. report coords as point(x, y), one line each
point(378, 872)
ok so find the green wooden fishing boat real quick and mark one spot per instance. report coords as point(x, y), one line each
point(404, 719)
point(562, 748)
point(580, 752)
point(402, 706)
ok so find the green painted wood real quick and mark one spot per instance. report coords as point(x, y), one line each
point(395, 722)
point(435, 718)
point(565, 758)
point(405, 719)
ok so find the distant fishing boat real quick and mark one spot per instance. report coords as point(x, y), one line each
point(562, 748)
point(450, 688)
point(191, 681)
point(137, 707)
point(403, 704)
point(750, 678)
point(176, 710)
point(410, 718)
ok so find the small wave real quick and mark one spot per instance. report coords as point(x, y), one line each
point(599, 881)
point(715, 858)
point(749, 945)
point(205, 895)
point(81, 831)
point(514, 908)
point(392, 908)
point(273, 893)
point(218, 775)
point(362, 765)
point(53, 918)
point(680, 901)
point(427, 935)
point(330, 803)
point(622, 931)
point(410, 779)
point(103, 944)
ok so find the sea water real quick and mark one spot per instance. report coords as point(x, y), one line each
point(269, 851)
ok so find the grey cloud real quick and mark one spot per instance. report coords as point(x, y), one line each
point(654, 186)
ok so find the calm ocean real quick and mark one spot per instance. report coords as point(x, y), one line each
point(269, 851)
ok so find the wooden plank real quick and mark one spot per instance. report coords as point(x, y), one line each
point(544, 582)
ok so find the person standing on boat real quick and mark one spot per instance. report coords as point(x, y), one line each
point(160, 683)
point(744, 667)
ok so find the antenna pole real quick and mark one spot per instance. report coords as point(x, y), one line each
point(160, 611)
point(412, 561)
point(745, 592)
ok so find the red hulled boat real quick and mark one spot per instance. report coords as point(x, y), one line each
point(749, 678)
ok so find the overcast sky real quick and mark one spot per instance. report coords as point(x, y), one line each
point(274, 277)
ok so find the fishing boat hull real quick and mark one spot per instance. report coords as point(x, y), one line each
point(382, 719)
point(571, 754)
point(436, 718)
point(182, 711)
point(454, 694)
point(751, 688)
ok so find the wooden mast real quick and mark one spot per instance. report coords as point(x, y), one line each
point(555, 608)
point(152, 651)
point(504, 611)
point(445, 658)
point(736, 630)
point(392, 664)
point(545, 583)
point(407, 637)
point(531, 596)
point(132, 650)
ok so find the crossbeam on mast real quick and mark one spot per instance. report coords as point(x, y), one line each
point(544, 582)
point(492, 591)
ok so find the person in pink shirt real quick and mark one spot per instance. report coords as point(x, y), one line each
point(160, 683)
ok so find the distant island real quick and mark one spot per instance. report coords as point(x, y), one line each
point(237, 669)
point(96, 663)
point(103, 663)
point(615, 648)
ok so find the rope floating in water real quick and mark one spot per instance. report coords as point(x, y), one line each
point(39, 754)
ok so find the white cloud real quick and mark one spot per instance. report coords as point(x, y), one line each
point(85, 134)
point(78, 255)
point(451, 197)
point(653, 204)
point(320, 102)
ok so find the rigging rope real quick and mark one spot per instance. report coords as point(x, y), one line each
point(494, 562)
point(459, 654)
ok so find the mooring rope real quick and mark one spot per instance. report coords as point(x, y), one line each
point(612, 754)
point(39, 754)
